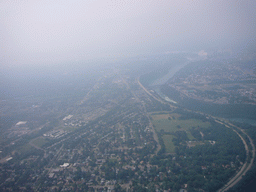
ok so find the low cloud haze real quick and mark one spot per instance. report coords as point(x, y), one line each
point(45, 32)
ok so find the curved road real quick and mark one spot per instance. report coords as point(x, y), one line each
point(245, 168)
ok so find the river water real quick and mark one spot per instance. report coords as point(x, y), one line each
point(244, 120)
point(169, 75)
point(155, 85)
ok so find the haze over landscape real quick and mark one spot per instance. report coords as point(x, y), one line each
point(43, 33)
point(123, 96)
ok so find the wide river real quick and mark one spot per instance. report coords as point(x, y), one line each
point(170, 74)
point(155, 86)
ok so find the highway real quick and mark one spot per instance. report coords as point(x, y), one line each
point(246, 167)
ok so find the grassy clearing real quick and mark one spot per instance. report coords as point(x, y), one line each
point(159, 113)
point(40, 141)
point(169, 146)
point(164, 115)
point(176, 124)
point(174, 115)
point(171, 123)
point(164, 124)
point(190, 137)
point(25, 149)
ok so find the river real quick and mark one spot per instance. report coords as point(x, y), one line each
point(169, 75)
point(242, 118)
point(155, 85)
point(241, 113)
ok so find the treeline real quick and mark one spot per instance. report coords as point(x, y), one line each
point(206, 165)
point(248, 181)
point(220, 110)
point(189, 115)
point(154, 105)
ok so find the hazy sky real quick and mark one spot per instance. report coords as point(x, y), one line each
point(37, 32)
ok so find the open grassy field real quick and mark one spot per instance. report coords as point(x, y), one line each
point(40, 141)
point(190, 136)
point(25, 149)
point(164, 115)
point(172, 125)
point(169, 146)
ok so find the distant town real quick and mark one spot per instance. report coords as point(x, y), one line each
point(120, 135)
point(224, 82)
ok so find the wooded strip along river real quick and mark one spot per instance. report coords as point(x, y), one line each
point(242, 113)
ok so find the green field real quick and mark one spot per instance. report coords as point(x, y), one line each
point(190, 136)
point(40, 141)
point(170, 148)
point(25, 148)
point(159, 113)
point(171, 123)
point(174, 124)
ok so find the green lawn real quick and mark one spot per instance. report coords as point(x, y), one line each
point(172, 125)
point(25, 148)
point(190, 136)
point(159, 113)
point(169, 146)
point(164, 124)
point(40, 141)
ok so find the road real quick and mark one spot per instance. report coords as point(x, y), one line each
point(138, 81)
point(145, 110)
point(246, 167)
